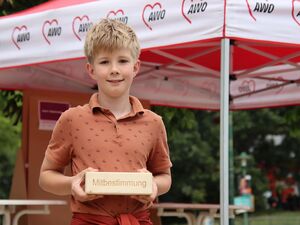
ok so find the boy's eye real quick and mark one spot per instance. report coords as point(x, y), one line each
point(123, 60)
point(103, 62)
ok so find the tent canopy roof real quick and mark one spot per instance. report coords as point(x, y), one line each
point(42, 49)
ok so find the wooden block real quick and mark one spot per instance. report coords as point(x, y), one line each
point(118, 183)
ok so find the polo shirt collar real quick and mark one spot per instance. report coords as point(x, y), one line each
point(137, 107)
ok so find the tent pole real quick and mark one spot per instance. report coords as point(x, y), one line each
point(224, 131)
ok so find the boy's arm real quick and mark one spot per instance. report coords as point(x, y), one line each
point(163, 182)
point(53, 180)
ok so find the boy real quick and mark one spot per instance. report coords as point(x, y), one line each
point(113, 133)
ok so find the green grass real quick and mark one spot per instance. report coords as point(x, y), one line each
point(270, 217)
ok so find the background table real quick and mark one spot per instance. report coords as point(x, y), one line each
point(195, 214)
point(8, 206)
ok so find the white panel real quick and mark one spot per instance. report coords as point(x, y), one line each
point(265, 20)
point(58, 34)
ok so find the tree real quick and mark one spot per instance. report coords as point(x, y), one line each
point(194, 148)
point(194, 167)
point(10, 140)
point(12, 6)
point(271, 137)
point(11, 105)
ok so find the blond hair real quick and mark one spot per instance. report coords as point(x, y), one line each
point(110, 35)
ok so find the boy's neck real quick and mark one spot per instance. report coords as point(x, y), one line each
point(118, 106)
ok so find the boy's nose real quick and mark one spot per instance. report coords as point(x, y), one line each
point(114, 69)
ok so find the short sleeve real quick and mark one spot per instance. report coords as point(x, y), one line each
point(59, 149)
point(159, 158)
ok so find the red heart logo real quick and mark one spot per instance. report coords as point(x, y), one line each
point(118, 15)
point(295, 13)
point(17, 29)
point(79, 20)
point(151, 8)
point(247, 86)
point(47, 22)
point(250, 10)
point(182, 11)
point(114, 14)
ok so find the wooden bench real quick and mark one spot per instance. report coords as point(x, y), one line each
point(194, 213)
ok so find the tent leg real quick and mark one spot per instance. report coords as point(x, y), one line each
point(224, 131)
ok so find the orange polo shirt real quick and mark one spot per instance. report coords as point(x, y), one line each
point(90, 136)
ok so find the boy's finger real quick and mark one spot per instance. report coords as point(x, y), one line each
point(144, 170)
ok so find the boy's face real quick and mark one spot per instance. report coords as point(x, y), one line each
point(114, 72)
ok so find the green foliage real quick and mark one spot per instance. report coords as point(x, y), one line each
point(272, 138)
point(193, 163)
point(292, 122)
point(11, 6)
point(10, 142)
point(259, 130)
point(12, 105)
point(10, 139)
point(194, 147)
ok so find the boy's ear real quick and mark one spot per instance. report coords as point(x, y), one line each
point(90, 69)
point(136, 67)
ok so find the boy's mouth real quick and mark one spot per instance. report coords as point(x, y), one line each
point(116, 81)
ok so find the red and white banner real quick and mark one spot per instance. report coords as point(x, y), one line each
point(42, 48)
point(58, 34)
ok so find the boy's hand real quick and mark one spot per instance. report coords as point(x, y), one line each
point(77, 187)
point(147, 199)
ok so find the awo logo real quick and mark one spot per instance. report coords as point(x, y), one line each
point(260, 7)
point(51, 30)
point(80, 25)
point(191, 8)
point(118, 15)
point(20, 35)
point(296, 11)
point(247, 86)
point(152, 14)
point(275, 84)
